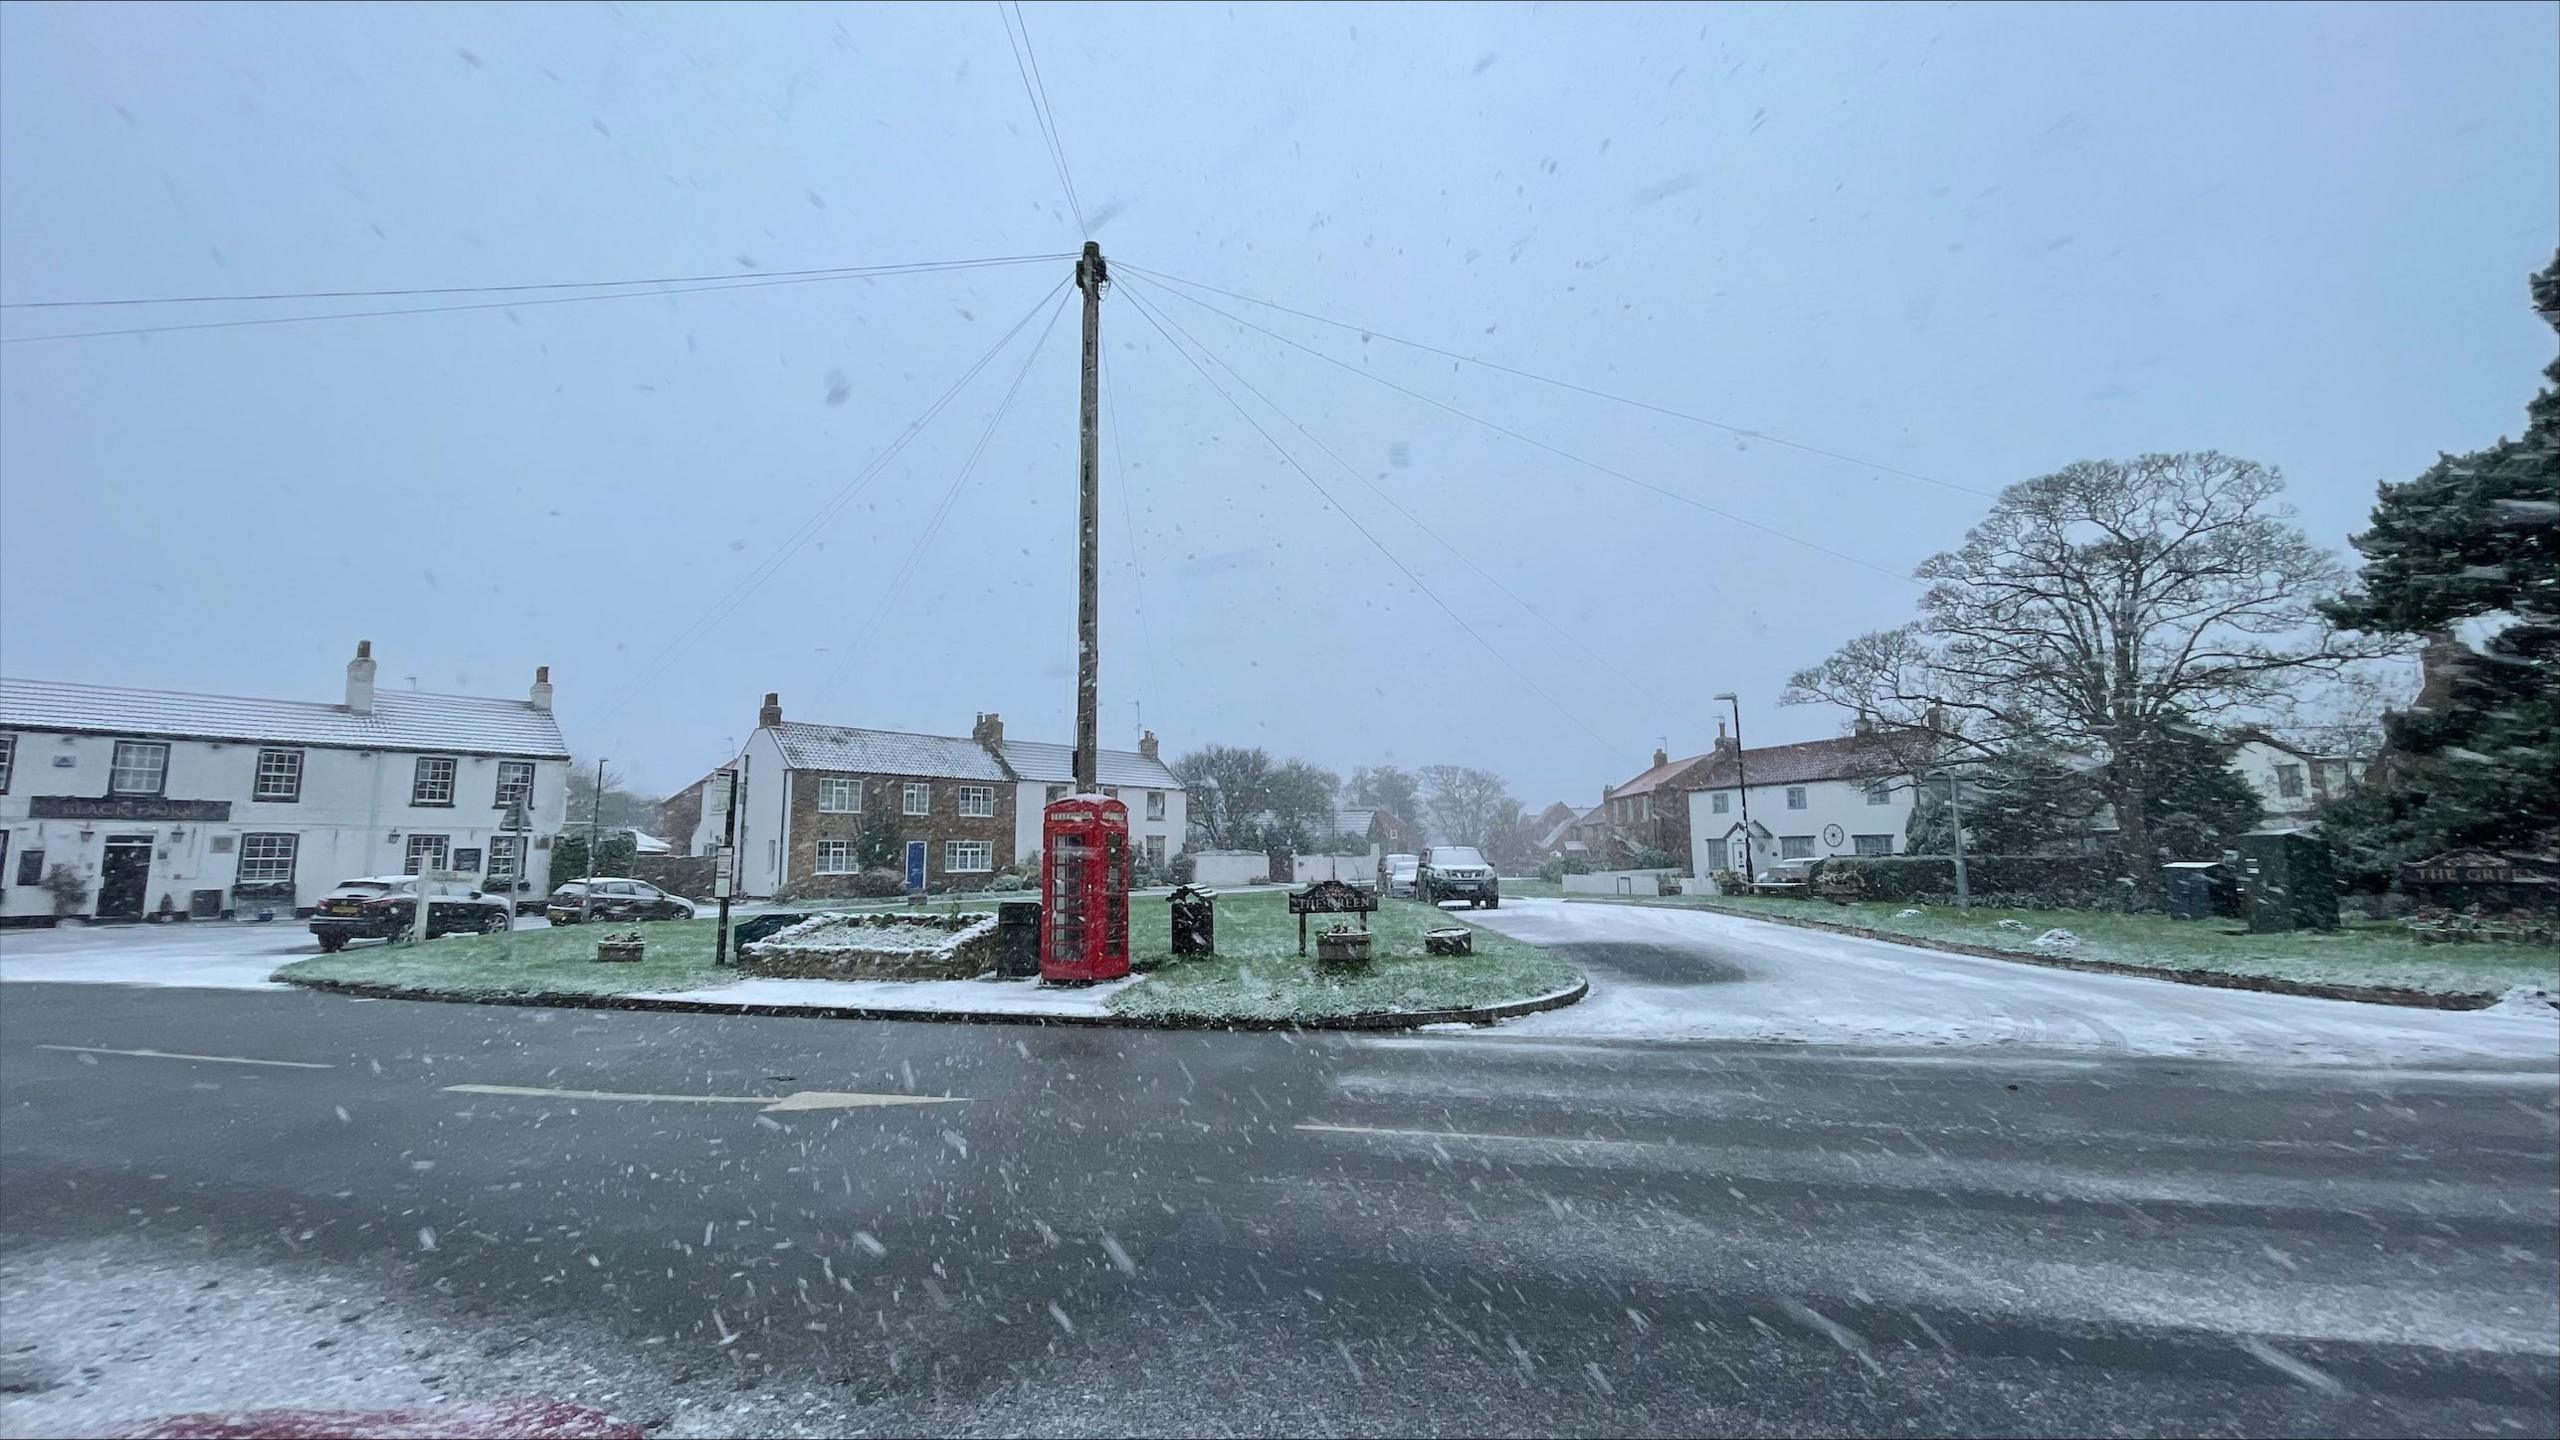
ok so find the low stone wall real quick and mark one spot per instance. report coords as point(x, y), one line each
point(876, 947)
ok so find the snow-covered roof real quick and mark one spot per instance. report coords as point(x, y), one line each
point(401, 719)
point(1849, 757)
point(1645, 783)
point(1056, 764)
point(885, 752)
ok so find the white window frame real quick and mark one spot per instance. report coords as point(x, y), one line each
point(1719, 855)
point(138, 757)
point(1056, 794)
point(277, 780)
point(836, 857)
point(2290, 782)
point(1796, 797)
point(502, 858)
point(260, 855)
point(1795, 847)
point(1858, 845)
point(1879, 792)
point(839, 795)
point(422, 789)
point(1721, 802)
point(8, 761)
point(1155, 804)
point(515, 782)
point(968, 857)
point(977, 802)
point(1155, 850)
point(417, 847)
point(916, 798)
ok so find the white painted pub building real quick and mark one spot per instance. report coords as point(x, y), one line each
point(159, 802)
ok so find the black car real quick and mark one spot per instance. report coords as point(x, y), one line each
point(385, 907)
point(616, 899)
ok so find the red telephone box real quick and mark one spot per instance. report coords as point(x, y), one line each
point(1084, 917)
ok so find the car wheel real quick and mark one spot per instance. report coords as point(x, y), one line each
point(1494, 904)
point(332, 944)
point(496, 922)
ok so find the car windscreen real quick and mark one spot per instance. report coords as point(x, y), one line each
point(1456, 855)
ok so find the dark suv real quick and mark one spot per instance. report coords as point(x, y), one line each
point(1456, 872)
point(616, 899)
point(385, 907)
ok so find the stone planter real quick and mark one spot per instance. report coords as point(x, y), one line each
point(1342, 951)
point(1453, 940)
point(619, 951)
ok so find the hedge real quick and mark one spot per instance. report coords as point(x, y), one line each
point(2027, 882)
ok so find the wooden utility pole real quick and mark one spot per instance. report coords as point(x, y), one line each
point(725, 878)
point(1091, 276)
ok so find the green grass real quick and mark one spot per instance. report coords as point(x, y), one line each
point(1258, 974)
point(523, 962)
point(2356, 953)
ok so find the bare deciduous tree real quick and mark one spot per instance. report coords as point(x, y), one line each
point(1464, 803)
point(2092, 609)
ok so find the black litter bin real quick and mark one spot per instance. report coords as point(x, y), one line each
point(1018, 938)
point(2200, 889)
point(1195, 920)
point(2288, 880)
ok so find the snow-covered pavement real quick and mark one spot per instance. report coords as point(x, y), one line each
point(218, 955)
point(1671, 974)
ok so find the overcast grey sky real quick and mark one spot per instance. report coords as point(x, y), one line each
point(1975, 244)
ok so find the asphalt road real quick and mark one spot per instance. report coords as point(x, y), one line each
point(1115, 1231)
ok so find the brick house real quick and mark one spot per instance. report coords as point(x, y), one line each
point(1649, 812)
point(964, 808)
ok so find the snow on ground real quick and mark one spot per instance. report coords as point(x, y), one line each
point(1668, 974)
point(930, 997)
point(203, 954)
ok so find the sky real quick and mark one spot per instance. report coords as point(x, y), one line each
point(1954, 247)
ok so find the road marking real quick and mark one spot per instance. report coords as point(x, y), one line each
point(1466, 1135)
point(172, 1055)
point(796, 1100)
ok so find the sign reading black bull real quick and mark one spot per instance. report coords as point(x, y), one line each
point(1329, 897)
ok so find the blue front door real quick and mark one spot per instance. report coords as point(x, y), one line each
point(915, 865)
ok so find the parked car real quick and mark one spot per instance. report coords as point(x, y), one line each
point(1456, 872)
point(616, 898)
point(521, 892)
point(1395, 875)
point(385, 907)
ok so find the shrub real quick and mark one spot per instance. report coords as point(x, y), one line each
point(1559, 868)
point(1648, 858)
point(68, 887)
point(2026, 882)
point(1181, 868)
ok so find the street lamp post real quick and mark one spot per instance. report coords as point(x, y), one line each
point(1741, 782)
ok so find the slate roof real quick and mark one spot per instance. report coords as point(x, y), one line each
point(1644, 783)
point(1040, 760)
point(401, 719)
point(1848, 757)
point(884, 752)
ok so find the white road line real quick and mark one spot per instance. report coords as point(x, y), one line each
point(796, 1100)
point(1466, 1135)
point(172, 1055)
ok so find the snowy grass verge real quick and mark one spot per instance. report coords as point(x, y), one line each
point(528, 962)
point(2356, 955)
point(1258, 974)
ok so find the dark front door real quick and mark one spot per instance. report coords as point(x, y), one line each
point(124, 880)
point(915, 865)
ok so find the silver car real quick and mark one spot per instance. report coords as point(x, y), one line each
point(1456, 872)
point(1395, 875)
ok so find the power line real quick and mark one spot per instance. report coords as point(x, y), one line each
point(1499, 429)
point(829, 271)
point(807, 529)
point(1041, 115)
point(907, 567)
point(1713, 424)
point(1463, 557)
point(1147, 311)
point(1128, 526)
point(502, 304)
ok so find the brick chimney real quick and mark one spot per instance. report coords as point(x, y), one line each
point(1661, 758)
point(771, 714)
point(541, 687)
point(988, 730)
point(1147, 746)
point(1866, 724)
point(360, 679)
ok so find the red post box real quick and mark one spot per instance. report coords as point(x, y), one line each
point(1084, 887)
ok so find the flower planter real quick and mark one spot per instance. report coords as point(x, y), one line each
point(621, 949)
point(1342, 951)
point(1451, 940)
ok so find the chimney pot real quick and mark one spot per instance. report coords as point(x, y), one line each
point(771, 714)
point(989, 728)
point(1147, 745)
point(360, 679)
